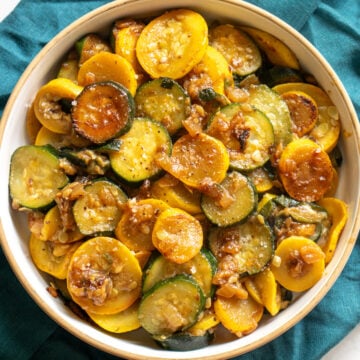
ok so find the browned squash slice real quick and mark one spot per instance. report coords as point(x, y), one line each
point(303, 111)
point(239, 316)
point(103, 111)
point(136, 224)
point(276, 50)
point(197, 160)
point(305, 170)
point(177, 235)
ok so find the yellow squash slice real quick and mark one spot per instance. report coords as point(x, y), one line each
point(48, 108)
point(305, 170)
point(177, 235)
point(104, 276)
point(106, 66)
point(302, 263)
point(239, 316)
point(338, 213)
point(51, 257)
point(172, 44)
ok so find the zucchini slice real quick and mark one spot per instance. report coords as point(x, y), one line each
point(275, 108)
point(184, 341)
point(202, 267)
point(165, 101)
point(35, 176)
point(172, 305)
point(135, 161)
point(102, 111)
point(100, 209)
point(237, 199)
point(248, 135)
point(253, 240)
point(289, 217)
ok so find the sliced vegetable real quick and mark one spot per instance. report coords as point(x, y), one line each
point(305, 170)
point(327, 128)
point(238, 48)
point(171, 306)
point(184, 341)
point(302, 263)
point(35, 177)
point(121, 322)
point(303, 111)
point(177, 235)
point(276, 50)
point(137, 221)
point(176, 194)
point(163, 100)
point(265, 290)
point(127, 34)
point(202, 267)
point(338, 213)
point(206, 324)
point(102, 111)
point(99, 210)
point(141, 145)
point(104, 276)
point(197, 161)
point(247, 133)
point(171, 44)
point(54, 230)
point(249, 246)
point(212, 72)
point(33, 125)
point(51, 257)
point(239, 316)
point(235, 200)
point(90, 45)
point(262, 179)
point(278, 75)
point(271, 104)
point(49, 108)
point(106, 66)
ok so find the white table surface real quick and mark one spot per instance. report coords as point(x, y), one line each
point(348, 348)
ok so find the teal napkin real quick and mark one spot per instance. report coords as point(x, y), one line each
point(27, 333)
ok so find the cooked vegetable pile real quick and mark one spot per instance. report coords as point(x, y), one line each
point(181, 176)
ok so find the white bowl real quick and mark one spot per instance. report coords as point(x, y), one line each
point(13, 229)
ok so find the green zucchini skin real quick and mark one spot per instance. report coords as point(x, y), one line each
point(244, 201)
point(276, 75)
point(172, 305)
point(270, 103)
point(35, 177)
point(254, 240)
point(184, 342)
point(136, 159)
point(165, 101)
point(99, 210)
point(102, 111)
point(289, 217)
point(202, 267)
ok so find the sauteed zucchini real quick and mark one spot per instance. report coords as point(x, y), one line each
point(169, 186)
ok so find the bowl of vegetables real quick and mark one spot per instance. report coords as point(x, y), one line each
point(178, 185)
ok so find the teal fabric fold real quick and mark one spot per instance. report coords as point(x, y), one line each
point(26, 332)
